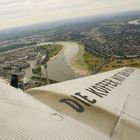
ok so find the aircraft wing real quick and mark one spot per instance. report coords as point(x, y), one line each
point(107, 102)
point(99, 107)
point(24, 118)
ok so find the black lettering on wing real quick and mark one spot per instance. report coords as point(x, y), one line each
point(95, 92)
point(93, 101)
point(73, 104)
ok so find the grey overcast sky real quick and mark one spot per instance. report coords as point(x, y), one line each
point(23, 12)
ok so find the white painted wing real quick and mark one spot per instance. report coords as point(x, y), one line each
point(24, 118)
point(108, 104)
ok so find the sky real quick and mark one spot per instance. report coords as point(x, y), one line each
point(15, 13)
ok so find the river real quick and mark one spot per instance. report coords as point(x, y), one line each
point(59, 67)
point(135, 22)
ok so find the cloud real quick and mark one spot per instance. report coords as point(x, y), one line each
point(21, 12)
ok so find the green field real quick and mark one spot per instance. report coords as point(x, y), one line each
point(52, 49)
point(91, 60)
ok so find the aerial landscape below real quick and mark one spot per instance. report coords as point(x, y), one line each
point(97, 44)
point(57, 51)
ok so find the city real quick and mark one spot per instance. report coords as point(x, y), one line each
point(113, 41)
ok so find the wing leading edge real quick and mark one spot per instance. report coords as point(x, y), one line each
point(107, 102)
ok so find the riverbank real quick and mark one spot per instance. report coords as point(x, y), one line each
point(59, 66)
point(52, 49)
point(78, 63)
point(53, 57)
point(84, 62)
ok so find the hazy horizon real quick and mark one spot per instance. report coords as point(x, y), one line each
point(14, 13)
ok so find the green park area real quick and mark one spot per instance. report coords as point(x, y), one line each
point(92, 61)
point(52, 49)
